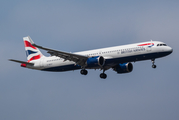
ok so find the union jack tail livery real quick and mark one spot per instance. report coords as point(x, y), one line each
point(32, 52)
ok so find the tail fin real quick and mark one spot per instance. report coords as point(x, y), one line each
point(32, 52)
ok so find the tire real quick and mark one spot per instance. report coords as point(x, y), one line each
point(103, 76)
point(154, 66)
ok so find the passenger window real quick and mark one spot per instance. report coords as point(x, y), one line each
point(157, 44)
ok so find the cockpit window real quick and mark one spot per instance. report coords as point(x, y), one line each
point(161, 45)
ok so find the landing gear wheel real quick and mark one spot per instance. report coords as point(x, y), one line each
point(84, 72)
point(153, 63)
point(154, 66)
point(103, 76)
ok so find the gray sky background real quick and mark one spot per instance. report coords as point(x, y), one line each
point(76, 25)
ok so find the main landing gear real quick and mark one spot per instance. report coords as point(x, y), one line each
point(153, 63)
point(84, 72)
point(103, 75)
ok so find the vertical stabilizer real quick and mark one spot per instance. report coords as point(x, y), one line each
point(33, 53)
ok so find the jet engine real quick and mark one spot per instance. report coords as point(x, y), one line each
point(123, 68)
point(97, 61)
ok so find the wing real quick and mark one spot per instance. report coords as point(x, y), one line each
point(78, 59)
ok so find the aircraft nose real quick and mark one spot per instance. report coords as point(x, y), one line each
point(170, 50)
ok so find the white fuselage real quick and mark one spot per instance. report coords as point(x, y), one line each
point(112, 55)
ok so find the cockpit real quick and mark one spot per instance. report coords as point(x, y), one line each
point(161, 45)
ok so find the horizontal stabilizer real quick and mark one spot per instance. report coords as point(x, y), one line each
point(21, 62)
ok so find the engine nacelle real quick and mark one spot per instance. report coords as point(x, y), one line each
point(97, 61)
point(123, 68)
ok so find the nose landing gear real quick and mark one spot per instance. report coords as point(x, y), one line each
point(153, 63)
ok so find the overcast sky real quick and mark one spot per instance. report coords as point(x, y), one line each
point(77, 25)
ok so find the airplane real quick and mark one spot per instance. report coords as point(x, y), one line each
point(118, 58)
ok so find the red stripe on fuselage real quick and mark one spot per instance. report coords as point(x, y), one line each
point(35, 58)
point(146, 44)
point(28, 44)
